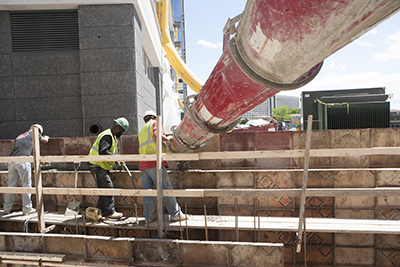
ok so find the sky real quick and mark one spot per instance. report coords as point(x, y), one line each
point(372, 60)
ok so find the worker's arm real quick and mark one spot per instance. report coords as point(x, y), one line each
point(105, 145)
point(44, 139)
point(163, 136)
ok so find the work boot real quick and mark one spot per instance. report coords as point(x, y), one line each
point(32, 210)
point(178, 217)
point(115, 215)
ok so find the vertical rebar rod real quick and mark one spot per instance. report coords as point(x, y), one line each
point(76, 225)
point(205, 222)
point(137, 220)
point(180, 229)
point(84, 223)
point(255, 220)
point(236, 219)
point(164, 221)
point(148, 224)
point(259, 221)
point(187, 227)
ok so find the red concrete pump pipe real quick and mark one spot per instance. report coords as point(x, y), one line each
point(273, 45)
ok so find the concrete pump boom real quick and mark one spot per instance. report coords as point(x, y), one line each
point(272, 46)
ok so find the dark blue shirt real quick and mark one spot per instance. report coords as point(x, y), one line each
point(23, 145)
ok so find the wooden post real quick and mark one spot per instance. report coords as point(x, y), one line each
point(159, 179)
point(304, 186)
point(38, 180)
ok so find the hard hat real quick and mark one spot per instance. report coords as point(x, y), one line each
point(122, 122)
point(149, 113)
point(40, 128)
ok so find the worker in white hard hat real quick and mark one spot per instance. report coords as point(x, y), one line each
point(147, 145)
point(106, 144)
point(23, 146)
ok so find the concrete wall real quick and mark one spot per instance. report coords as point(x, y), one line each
point(287, 140)
point(7, 105)
point(67, 92)
point(323, 249)
point(284, 140)
point(145, 252)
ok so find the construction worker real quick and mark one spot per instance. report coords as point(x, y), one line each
point(23, 146)
point(106, 144)
point(147, 145)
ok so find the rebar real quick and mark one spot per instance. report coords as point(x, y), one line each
point(137, 220)
point(236, 219)
point(205, 222)
point(187, 227)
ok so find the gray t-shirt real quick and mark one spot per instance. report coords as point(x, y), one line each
point(23, 145)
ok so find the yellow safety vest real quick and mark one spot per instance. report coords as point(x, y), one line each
point(147, 142)
point(94, 151)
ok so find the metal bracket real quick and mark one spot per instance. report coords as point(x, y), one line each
point(230, 26)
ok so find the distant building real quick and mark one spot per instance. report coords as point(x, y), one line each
point(289, 101)
point(265, 109)
point(262, 110)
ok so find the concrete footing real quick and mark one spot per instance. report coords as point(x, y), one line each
point(145, 252)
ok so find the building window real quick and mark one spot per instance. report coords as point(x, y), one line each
point(148, 68)
point(44, 31)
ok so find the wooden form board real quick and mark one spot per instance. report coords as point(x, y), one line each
point(56, 264)
point(321, 192)
point(343, 152)
point(244, 223)
point(32, 256)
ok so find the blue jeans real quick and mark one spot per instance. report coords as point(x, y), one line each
point(16, 171)
point(149, 180)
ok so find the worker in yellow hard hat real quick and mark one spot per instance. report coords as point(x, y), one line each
point(106, 144)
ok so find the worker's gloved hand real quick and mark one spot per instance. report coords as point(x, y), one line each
point(123, 165)
point(119, 165)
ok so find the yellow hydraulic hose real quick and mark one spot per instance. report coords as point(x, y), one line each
point(172, 55)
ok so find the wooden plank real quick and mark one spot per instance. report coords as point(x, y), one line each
point(245, 223)
point(290, 224)
point(124, 157)
point(304, 184)
point(38, 180)
point(340, 152)
point(54, 264)
point(251, 154)
point(16, 159)
point(32, 256)
point(295, 192)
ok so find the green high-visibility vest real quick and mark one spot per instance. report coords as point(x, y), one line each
point(94, 151)
point(147, 142)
